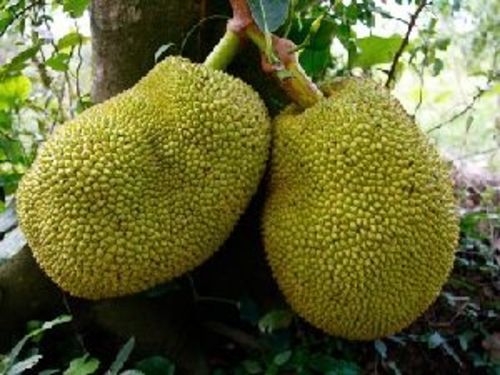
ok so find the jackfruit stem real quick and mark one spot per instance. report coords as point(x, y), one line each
point(282, 62)
point(224, 52)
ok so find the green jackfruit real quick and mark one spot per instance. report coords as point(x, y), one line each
point(359, 225)
point(147, 185)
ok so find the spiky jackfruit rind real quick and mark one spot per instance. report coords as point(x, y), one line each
point(359, 225)
point(147, 185)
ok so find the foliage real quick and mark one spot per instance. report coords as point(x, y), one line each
point(14, 363)
point(39, 81)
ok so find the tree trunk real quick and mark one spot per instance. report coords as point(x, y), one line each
point(127, 34)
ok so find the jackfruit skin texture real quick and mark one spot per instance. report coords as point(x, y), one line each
point(147, 185)
point(359, 224)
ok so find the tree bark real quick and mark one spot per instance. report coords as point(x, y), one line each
point(127, 34)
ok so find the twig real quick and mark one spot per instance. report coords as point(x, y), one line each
point(198, 25)
point(78, 336)
point(236, 335)
point(485, 152)
point(22, 13)
point(198, 298)
point(466, 109)
point(404, 43)
point(389, 15)
point(80, 63)
point(421, 73)
point(450, 322)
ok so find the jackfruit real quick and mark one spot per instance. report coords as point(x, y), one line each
point(147, 185)
point(359, 224)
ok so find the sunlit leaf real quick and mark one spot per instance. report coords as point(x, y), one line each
point(252, 367)
point(18, 62)
point(59, 62)
point(376, 50)
point(435, 340)
point(276, 319)
point(6, 18)
point(437, 67)
point(70, 40)
point(121, 357)
point(75, 7)
point(14, 91)
point(22, 366)
point(381, 348)
point(281, 358)
point(84, 365)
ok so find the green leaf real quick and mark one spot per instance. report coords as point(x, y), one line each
point(322, 39)
point(376, 50)
point(269, 15)
point(435, 340)
point(442, 44)
point(249, 311)
point(156, 365)
point(49, 372)
point(315, 62)
point(84, 365)
point(282, 358)
point(14, 91)
point(17, 63)
point(9, 181)
point(465, 337)
point(160, 52)
point(121, 357)
point(21, 366)
point(394, 367)
point(469, 222)
point(5, 121)
point(381, 348)
point(70, 40)
point(83, 103)
point(16, 350)
point(59, 61)
point(75, 7)
point(449, 350)
point(331, 366)
point(14, 150)
point(6, 18)
point(276, 319)
point(252, 367)
point(437, 67)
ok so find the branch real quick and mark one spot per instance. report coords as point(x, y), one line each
point(404, 43)
point(236, 335)
point(467, 108)
point(480, 153)
point(21, 13)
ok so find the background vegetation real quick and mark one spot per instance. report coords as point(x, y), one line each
point(443, 60)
